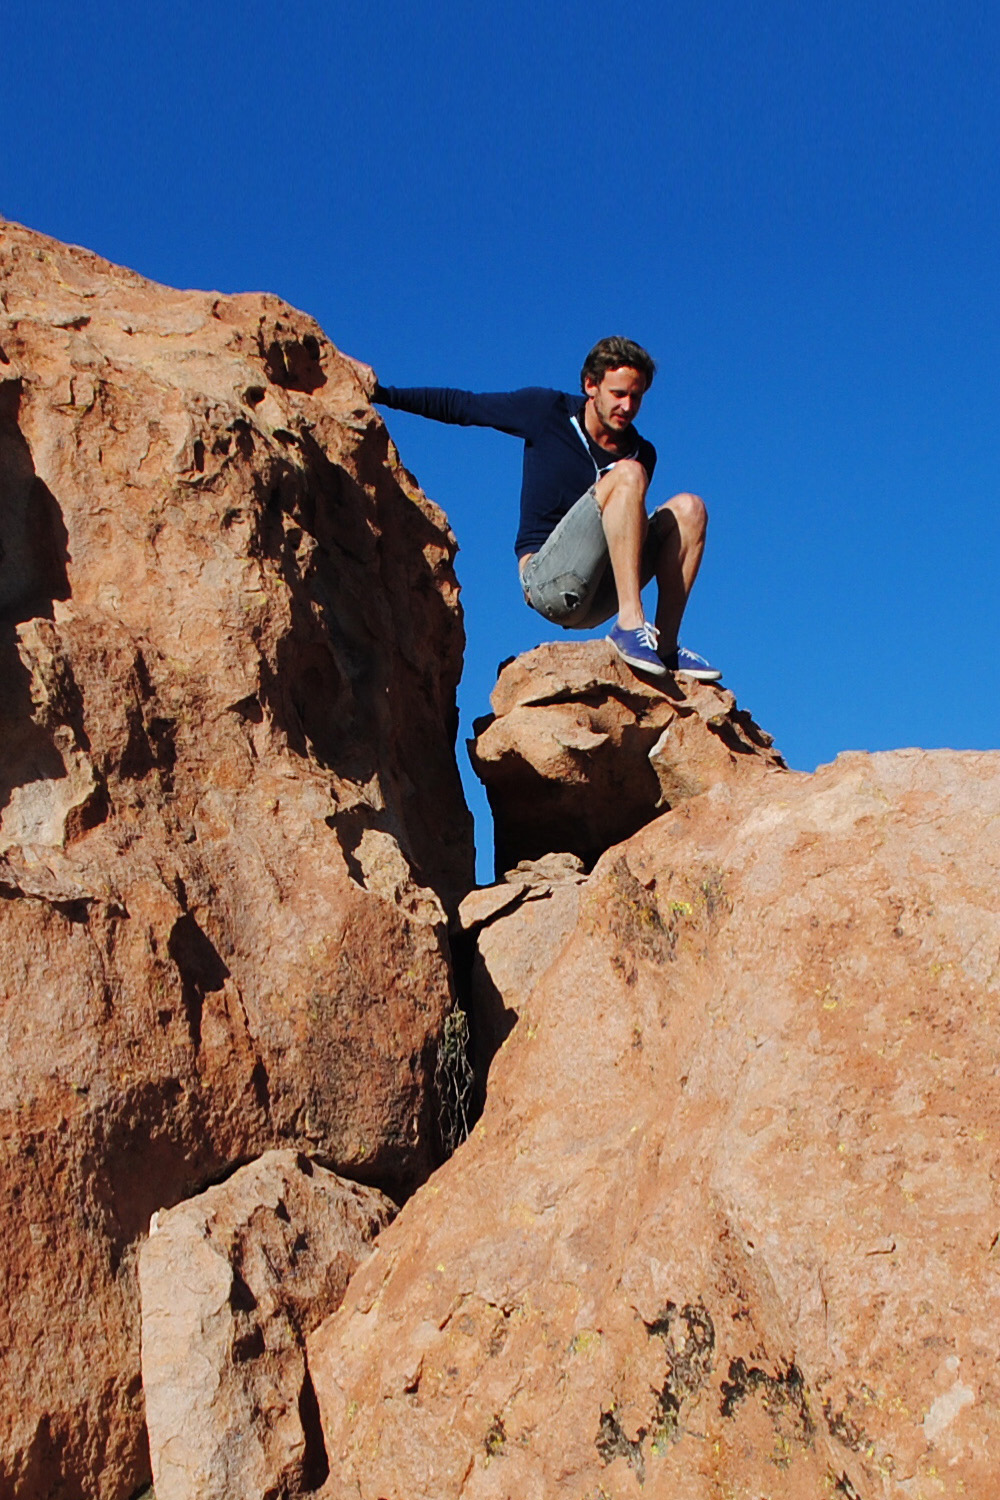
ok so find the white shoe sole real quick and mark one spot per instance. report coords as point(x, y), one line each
point(701, 676)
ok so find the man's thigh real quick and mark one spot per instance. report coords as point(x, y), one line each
point(569, 579)
point(563, 578)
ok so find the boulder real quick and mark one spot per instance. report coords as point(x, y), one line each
point(231, 1282)
point(729, 1222)
point(580, 752)
point(231, 825)
point(512, 933)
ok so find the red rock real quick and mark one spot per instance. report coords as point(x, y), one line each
point(579, 752)
point(231, 1283)
point(228, 796)
point(517, 929)
point(727, 1225)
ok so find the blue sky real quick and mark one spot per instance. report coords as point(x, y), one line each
point(794, 206)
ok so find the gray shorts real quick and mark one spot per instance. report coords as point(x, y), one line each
point(569, 579)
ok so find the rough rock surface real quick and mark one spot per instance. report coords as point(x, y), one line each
point(229, 644)
point(515, 929)
point(231, 1282)
point(579, 752)
point(728, 1225)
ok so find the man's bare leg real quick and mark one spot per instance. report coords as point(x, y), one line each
point(621, 498)
point(678, 563)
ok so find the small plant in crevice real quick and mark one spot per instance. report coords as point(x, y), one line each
point(453, 1081)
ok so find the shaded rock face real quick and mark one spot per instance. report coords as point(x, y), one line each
point(579, 752)
point(231, 1283)
point(229, 644)
point(728, 1222)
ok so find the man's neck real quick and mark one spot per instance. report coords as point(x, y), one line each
point(600, 434)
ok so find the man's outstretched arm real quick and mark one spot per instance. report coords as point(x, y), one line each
point(516, 412)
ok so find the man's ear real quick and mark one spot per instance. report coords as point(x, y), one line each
point(590, 386)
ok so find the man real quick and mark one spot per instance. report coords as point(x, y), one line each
point(585, 545)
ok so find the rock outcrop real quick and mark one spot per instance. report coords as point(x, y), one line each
point(579, 752)
point(229, 805)
point(232, 1282)
point(512, 932)
point(728, 1223)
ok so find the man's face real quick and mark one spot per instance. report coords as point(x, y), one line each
point(616, 400)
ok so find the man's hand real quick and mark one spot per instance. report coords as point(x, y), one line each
point(366, 375)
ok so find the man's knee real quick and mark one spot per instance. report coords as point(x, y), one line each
point(628, 477)
point(691, 514)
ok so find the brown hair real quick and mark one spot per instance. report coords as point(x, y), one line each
point(612, 354)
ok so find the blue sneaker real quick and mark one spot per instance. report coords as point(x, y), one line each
point(638, 648)
point(691, 664)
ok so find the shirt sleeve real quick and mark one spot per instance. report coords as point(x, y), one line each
point(516, 412)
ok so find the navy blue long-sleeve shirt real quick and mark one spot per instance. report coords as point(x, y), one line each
point(559, 464)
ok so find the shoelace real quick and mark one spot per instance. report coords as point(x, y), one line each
point(648, 635)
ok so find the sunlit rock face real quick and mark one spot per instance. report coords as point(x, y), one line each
point(231, 1282)
point(510, 934)
point(230, 818)
point(728, 1223)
